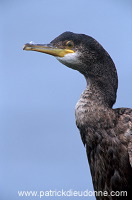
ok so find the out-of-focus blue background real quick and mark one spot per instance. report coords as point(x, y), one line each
point(40, 146)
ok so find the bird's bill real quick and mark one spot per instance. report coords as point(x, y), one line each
point(48, 49)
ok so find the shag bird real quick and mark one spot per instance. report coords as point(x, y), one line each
point(106, 132)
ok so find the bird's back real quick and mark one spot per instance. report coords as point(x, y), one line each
point(107, 135)
point(109, 152)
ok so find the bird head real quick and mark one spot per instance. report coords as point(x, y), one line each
point(83, 53)
point(77, 51)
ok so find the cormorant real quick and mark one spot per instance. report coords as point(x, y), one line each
point(106, 132)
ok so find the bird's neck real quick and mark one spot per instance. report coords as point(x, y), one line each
point(101, 90)
point(93, 105)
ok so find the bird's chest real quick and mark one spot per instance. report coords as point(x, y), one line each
point(86, 113)
point(81, 112)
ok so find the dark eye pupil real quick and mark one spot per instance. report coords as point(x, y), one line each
point(69, 44)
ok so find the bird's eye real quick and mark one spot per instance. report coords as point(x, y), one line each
point(69, 44)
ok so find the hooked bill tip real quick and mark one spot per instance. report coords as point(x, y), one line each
point(27, 46)
point(24, 47)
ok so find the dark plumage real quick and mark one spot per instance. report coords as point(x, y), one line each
point(106, 132)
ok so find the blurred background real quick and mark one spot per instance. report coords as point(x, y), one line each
point(40, 146)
